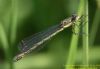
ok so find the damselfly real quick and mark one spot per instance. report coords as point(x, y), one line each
point(31, 43)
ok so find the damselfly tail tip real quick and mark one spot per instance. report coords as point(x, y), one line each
point(18, 57)
point(14, 59)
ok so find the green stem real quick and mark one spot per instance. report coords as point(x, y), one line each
point(13, 29)
point(4, 42)
point(85, 38)
point(74, 41)
point(14, 14)
point(94, 27)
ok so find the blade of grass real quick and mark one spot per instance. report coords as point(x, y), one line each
point(14, 13)
point(3, 39)
point(4, 42)
point(95, 24)
point(74, 40)
point(13, 29)
point(85, 38)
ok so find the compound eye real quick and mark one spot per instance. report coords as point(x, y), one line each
point(73, 18)
point(63, 23)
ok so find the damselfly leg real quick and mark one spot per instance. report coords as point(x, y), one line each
point(78, 25)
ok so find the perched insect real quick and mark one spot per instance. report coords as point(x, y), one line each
point(32, 42)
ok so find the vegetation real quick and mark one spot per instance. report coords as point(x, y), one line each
point(22, 18)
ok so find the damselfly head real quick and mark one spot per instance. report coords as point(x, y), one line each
point(69, 21)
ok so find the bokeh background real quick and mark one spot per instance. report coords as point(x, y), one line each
point(22, 18)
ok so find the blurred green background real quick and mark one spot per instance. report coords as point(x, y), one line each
point(22, 18)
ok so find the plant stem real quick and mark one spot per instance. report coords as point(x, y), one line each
point(13, 29)
point(74, 40)
point(4, 42)
point(95, 24)
point(85, 38)
point(14, 14)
